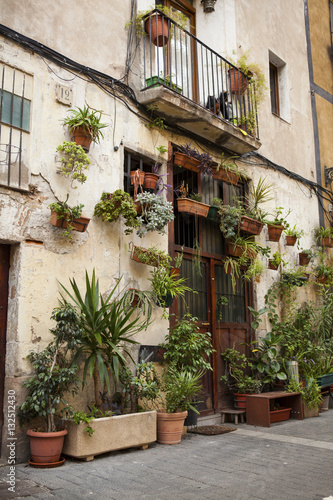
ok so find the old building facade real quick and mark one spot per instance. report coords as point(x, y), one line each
point(54, 58)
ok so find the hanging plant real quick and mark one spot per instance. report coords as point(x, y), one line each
point(74, 162)
point(156, 213)
point(114, 205)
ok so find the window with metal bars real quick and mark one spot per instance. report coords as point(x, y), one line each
point(134, 161)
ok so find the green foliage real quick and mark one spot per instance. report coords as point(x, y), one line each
point(153, 256)
point(255, 74)
point(145, 386)
point(265, 360)
point(74, 162)
point(259, 193)
point(293, 231)
point(180, 389)
point(157, 212)
point(228, 165)
point(186, 348)
point(67, 214)
point(254, 271)
point(196, 197)
point(112, 206)
point(107, 325)
point(88, 119)
point(54, 374)
point(165, 286)
point(229, 219)
point(173, 14)
point(236, 366)
point(277, 218)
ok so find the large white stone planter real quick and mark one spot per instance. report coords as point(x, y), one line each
point(111, 433)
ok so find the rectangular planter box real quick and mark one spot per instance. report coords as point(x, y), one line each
point(279, 415)
point(111, 433)
point(154, 81)
point(325, 380)
point(80, 224)
point(310, 412)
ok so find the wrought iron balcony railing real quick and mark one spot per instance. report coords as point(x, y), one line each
point(176, 59)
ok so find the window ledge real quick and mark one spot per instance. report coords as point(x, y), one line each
point(184, 113)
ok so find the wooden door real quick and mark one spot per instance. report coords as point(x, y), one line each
point(4, 270)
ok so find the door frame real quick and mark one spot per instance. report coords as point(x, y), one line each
point(4, 286)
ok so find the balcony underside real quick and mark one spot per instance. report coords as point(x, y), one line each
point(191, 117)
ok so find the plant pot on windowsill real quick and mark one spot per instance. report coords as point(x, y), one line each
point(80, 224)
point(251, 226)
point(150, 180)
point(186, 161)
point(274, 232)
point(156, 81)
point(192, 207)
point(291, 240)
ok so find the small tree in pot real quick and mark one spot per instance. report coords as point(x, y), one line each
point(54, 376)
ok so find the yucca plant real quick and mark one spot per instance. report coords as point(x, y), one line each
point(108, 327)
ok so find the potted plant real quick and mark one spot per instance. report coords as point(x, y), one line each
point(175, 269)
point(324, 273)
point(156, 213)
point(254, 270)
point(85, 126)
point(243, 73)
point(236, 367)
point(232, 267)
point(276, 225)
point(293, 234)
point(187, 349)
point(227, 171)
point(252, 220)
point(116, 204)
point(179, 389)
point(305, 256)
point(190, 158)
point(295, 277)
point(68, 218)
point(324, 236)
point(54, 375)
point(275, 261)
point(165, 287)
point(191, 204)
point(229, 219)
point(151, 256)
point(74, 162)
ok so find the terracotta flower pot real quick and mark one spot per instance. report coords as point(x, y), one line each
point(46, 447)
point(170, 427)
point(303, 259)
point(186, 161)
point(150, 180)
point(238, 81)
point(79, 224)
point(327, 242)
point(174, 272)
point(274, 232)
point(251, 226)
point(240, 401)
point(158, 30)
point(291, 240)
point(192, 207)
point(225, 176)
point(232, 250)
point(80, 137)
point(279, 415)
point(272, 266)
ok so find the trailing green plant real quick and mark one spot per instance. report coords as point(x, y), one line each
point(236, 366)
point(67, 214)
point(277, 259)
point(230, 216)
point(116, 204)
point(254, 270)
point(186, 348)
point(74, 162)
point(157, 212)
point(294, 277)
point(108, 326)
point(80, 416)
point(88, 119)
point(153, 255)
point(232, 267)
point(54, 374)
point(255, 74)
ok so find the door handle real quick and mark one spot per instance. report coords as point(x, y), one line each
point(205, 323)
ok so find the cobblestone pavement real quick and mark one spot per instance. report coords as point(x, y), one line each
point(291, 460)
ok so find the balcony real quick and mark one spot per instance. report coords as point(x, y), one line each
point(194, 88)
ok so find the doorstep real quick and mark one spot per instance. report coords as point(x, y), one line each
point(210, 420)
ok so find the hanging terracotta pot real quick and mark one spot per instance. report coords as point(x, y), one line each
point(303, 259)
point(251, 226)
point(273, 266)
point(274, 232)
point(80, 137)
point(238, 81)
point(174, 272)
point(170, 427)
point(291, 240)
point(192, 207)
point(234, 251)
point(327, 242)
point(225, 176)
point(79, 224)
point(186, 161)
point(156, 26)
point(150, 180)
point(46, 447)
